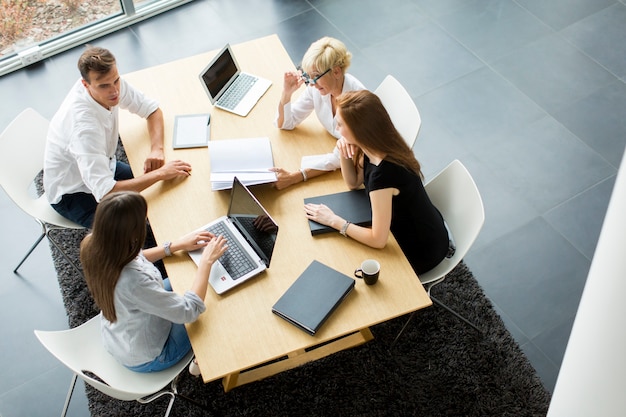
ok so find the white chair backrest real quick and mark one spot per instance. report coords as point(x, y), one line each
point(401, 108)
point(456, 196)
point(81, 350)
point(22, 147)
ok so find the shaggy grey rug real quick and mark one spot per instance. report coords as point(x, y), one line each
point(439, 367)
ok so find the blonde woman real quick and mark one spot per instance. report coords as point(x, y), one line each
point(324, 70)
point(142, 319)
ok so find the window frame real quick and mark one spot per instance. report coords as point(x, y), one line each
point(79, 36)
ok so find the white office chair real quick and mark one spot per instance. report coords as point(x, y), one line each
point(22, 146)
point(401, 108)
point(456, 196)
point(81, 350)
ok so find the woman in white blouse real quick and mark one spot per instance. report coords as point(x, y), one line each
point(324, 67)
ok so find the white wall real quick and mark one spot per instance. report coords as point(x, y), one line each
point(592, 379)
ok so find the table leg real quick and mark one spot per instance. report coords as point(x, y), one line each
point(297, 358)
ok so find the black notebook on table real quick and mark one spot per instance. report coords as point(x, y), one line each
point(353, 206)
point(311, 299)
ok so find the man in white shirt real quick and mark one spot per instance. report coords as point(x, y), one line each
point(80, 166)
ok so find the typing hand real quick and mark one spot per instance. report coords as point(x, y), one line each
point(214, 249)
point(195, 240)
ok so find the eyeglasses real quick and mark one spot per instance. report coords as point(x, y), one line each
point(307, 78)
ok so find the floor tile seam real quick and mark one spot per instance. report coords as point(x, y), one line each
point(538, 18)
point(561, 34)
point(398, 34)
point(613, 175)
point(485, 64)
point(344, 36)
point(511, 51)
point(146, 47)
point(579, 20)
point(503, 314)
point(571, 198)
point(571, 243)
point(533, 340)
point(492, 65)
point(24, 384)
point(539, 351)
point(565, 238)
point(554, 115)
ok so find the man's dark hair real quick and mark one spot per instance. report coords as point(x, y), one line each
point(95, 59)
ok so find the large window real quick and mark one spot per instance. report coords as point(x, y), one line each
point(32, 30)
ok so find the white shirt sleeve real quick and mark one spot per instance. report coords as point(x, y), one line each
point(295, 112)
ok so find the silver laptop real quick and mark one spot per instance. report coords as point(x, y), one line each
point(251, 235)
point(228, 87)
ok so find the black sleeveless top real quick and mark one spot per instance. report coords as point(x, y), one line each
point(416, 223)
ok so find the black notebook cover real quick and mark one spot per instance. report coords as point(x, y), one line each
point(311, 299)
point(353, 206)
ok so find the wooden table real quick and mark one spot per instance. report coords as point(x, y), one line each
point(238, 331)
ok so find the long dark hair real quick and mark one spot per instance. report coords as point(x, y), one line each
point(119, 231)
point(364, 114)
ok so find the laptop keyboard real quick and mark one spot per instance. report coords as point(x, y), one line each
point(237, 91)
point(235, 260)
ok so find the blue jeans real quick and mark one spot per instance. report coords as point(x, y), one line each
point(81, 207)
point(176, 347)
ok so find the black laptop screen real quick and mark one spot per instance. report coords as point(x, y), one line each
point(253, 221)
point(217, 76)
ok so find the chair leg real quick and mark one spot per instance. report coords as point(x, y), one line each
point(69, 396)
point(173, 392)
point(184, 397)
point(401, 331)
point(32, 248)
point(460, 317)
point(56, 245)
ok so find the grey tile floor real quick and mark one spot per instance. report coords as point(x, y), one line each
point(528, 94)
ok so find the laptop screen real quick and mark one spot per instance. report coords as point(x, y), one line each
point(218, 74)
point(253, 221)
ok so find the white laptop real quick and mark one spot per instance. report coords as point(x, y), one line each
point(251, 235)
point(228, 87)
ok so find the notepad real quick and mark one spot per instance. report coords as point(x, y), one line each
point(313, 296)
point(354, 206)
point(191, 130)
point(248, 159)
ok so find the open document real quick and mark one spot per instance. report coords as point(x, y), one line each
point(248, 159)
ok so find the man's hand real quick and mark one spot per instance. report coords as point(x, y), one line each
point(155, 160)
point(175, 169)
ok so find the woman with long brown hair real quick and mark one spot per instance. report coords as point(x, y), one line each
point(392, 177)
point(142, 318)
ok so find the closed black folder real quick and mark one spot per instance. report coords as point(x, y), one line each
point(311, 299)
point(353, 206)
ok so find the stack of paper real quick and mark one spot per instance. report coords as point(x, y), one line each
point(248, 159)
